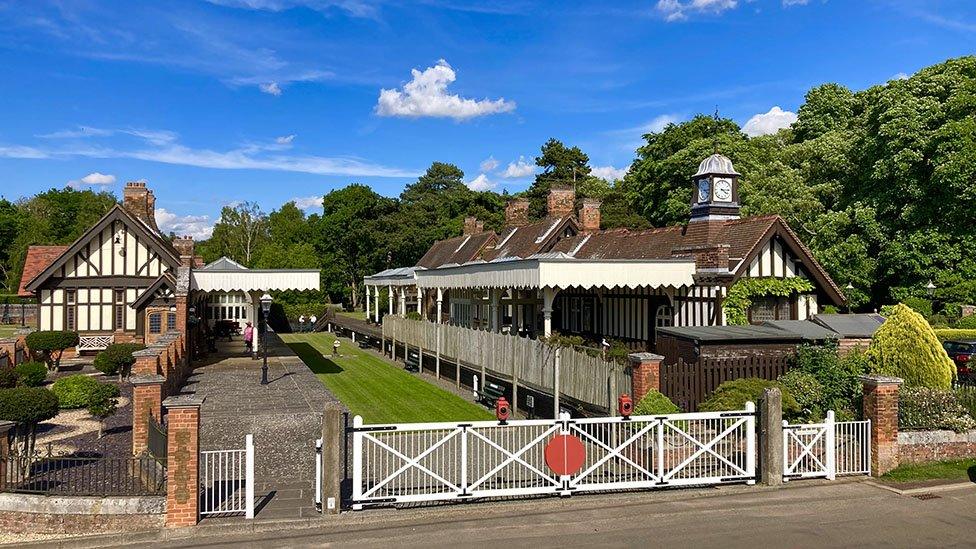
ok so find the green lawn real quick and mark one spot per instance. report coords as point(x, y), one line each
point(7, 330)
point(955, 469)
point(375, 389)
point(358, 315)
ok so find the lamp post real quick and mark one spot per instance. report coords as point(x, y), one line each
point(265, 308)
point(849, 287)
point(930, 289)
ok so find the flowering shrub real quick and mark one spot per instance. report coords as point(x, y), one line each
point(807, 391)
point(924, 408)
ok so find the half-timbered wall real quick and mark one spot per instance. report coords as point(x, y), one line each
point(774, 259)
point(115, 251)
point(88, 309)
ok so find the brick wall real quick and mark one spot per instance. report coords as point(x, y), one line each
point(922, 446)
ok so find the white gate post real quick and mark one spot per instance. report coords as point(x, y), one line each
point(249, 476)
point(555, 382)
point(787, 469)
point(751, 443)
point(564, 418)
point(357, 463)
point(831, 432)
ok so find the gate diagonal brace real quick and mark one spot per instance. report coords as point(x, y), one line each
point(616, 452)
point(702, 448)
point(514, 457)
point(807, 451)
point(412, 462)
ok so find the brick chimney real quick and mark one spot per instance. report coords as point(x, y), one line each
point(589, 215)
point(561, 202)
point(140, 202)
point(517, 212)
point(184, 246)
point(472, 225)
point(715, 256)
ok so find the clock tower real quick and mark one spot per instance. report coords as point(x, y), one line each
point(716, 190)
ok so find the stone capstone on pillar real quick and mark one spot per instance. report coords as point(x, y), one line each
point(645, 374)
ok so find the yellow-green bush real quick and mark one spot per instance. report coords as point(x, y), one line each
point(905, 346)
point(947, 334)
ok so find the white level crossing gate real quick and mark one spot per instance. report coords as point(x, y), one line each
point(402, 463)
point(227, 481)
point(826, 450)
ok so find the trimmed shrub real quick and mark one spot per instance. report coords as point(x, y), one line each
point(117, 358)
point(413, 315)
point(31, 374)
point(103, 404)
point(939, 321)
point(924, 408)
point(808, 392)
point(28, 406)
point(8, 378)
point(905, 346)
point(655, 404)
point(733, 395)
point(75, 391)
point(946, 334)
point(51, 344)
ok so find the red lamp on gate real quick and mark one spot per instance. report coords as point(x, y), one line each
point(625, 405)
point(502, 410)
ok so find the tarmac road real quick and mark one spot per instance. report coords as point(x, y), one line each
point(841, 514)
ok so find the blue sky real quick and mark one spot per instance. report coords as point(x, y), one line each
point(273, 100)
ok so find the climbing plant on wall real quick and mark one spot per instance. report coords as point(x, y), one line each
point(741, 293)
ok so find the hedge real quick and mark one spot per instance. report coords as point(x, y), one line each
point(8, 378)
point(923, 408)
point(946, 334)
point(117, 358)
point(655, 404)
point(733, 395)
point(966, 323)
point(905, 346)
point(75, 391)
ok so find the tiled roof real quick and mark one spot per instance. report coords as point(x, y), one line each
point(38, 259)
point(460, 249)
point(528, 239)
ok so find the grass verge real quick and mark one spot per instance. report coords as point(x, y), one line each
point(375, 389)
point(7, 330)
point(949, 470)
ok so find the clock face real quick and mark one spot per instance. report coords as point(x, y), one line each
point(703, 190)
point(723, 190)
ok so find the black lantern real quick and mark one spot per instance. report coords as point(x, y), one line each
point(265, 308)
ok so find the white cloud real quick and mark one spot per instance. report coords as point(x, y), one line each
point(271, 88)
point(480, 183)
point(489, 164)
point(308, 202)
point(899, 76)
point(164, 147)
point(200, 227)
point(770, 122)
point(609, 172)
point(285, 139)
point(94, 179)
point(426, 96)
point(519, 168)
point(678, 10)
point(788, 3)
point(355, 8)
point(660, 122)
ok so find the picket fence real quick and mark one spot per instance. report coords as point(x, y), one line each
point(519, 360)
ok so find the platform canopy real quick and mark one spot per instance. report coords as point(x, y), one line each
point(226, 275)
point(401, 276)
point(557, 270)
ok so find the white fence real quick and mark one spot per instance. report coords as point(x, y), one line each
point(520, 360)
point(827, 449)
point(402, 463)
point(227, 481)
point(94, 342)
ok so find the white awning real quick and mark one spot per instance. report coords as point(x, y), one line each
point(401, 276)
point(254, 280)
point(561, 271)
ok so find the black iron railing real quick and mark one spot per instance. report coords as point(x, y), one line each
point(157, 441)
point(82, 476)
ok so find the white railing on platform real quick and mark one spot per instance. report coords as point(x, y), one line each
point(94, 342)
point(827, 449)
point(227, 481)
point(413, 462)
point(521, 360)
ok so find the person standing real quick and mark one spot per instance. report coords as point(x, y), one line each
point(311, 324)
point(249, 338)
point(301, 323)
point(335, 347)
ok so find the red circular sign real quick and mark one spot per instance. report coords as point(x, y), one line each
point(565, 454)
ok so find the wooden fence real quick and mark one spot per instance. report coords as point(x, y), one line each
point(687, 384)
point(522, 361)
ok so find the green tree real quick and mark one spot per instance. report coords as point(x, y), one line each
point(560, 164)
point(103, 404)
point(240, 234)
point(905, 346)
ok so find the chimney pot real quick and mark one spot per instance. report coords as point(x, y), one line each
point(140, 202)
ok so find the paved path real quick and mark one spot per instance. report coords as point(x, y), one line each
point(284, 416)
point(806, 514)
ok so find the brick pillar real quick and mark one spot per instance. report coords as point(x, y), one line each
point(5, 428)
point(147, 362)
point(881, 407)
point(645, 374)
point(182, 463)
point(147, 400)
